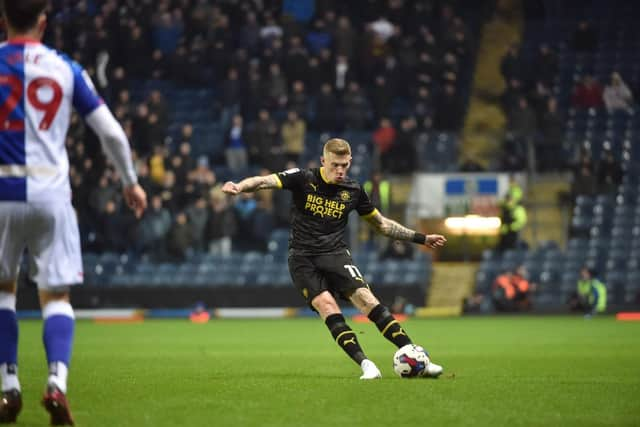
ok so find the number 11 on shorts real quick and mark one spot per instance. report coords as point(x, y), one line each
point(353, 270)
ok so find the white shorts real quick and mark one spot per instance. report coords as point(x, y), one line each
point(50, 233)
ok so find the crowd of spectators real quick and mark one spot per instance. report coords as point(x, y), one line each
point(535, 124)
point(278, 69)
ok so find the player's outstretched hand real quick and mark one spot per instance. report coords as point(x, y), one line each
point(136, 199)
point(435, 241)
point(231, 187)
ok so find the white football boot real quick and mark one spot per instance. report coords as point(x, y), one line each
point(432, 370)
point(369, 370)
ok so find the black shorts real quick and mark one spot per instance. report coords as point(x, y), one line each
point(336, 273)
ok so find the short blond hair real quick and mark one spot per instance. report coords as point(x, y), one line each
point(337, 146)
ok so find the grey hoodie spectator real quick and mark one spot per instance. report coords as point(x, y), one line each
point(617, 95)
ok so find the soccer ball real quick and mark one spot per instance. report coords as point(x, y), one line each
point(410, 361)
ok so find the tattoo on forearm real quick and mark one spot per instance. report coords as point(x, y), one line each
point(394, 230)
point(256, 183)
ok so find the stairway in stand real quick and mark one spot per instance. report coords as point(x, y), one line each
point(452, 282)
point(547, 219)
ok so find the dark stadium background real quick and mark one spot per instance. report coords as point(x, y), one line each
point(445, 88)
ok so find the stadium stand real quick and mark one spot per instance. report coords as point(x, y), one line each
point(605, 220)
point(166, 68)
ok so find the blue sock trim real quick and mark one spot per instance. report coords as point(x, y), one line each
point(58, 338)
point(8, 337)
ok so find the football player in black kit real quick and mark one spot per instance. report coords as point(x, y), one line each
point(320, 262)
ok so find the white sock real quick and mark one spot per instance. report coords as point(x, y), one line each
point(58, 373)
point(9, 374)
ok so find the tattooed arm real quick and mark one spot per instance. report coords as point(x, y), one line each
point(394, 230)
point(249, 185)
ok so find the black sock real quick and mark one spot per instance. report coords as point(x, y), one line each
point(389, 326)
point(345, 337)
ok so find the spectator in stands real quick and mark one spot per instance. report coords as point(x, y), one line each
point(549, 147)
point(293, 135)
point(449, 112)
point(382, 28)
point(172, 196)
point(140, 127)
point(276, 88)
point(249, 34)
point(221, 224)
point(539, 98)
point(609, 172)
point(177, 65)
point(102, 194)
point(113, 226)
point(344, 38)
point(197, 217)
point(326, 66)
point(513, 219)
point(524, 124)
point(184, 151)
point(142, 169)
point(343, 73)
point(236, 147)
point(511, 96)
point(264, 144)
point(590, 296)
point(123, 104)
point(230, 97)
point(318, 37)
point(137, 53)
point(156, 130)
point(355, 107)
point(179, 238)
point(587, 93)
point(167, 30)
point(511, 291)
point(325, 111)
point(202, 177)
point(384, 137)
point(153, 228)
point(585, 38)
point(271, 30)
point(157, 164)
point(512, 66)
point(245, 208)
point(403, 154)
point(381, 97)
point(298, 100)
point(545, 65)
point(254, 98)
point(584, 178)
point(617, 95)
point(296, 60)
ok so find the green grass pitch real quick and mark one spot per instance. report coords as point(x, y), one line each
point(499, 371)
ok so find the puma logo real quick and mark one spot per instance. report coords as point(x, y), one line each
point(400, 332)
point(351, 340)
point(315, 187)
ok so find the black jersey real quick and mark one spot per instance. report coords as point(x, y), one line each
point(320, 210)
